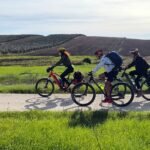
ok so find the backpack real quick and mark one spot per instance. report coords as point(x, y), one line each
point(78, 76)
point(144, 64)
point(115, 58)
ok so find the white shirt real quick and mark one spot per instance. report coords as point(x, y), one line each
point(106, 63)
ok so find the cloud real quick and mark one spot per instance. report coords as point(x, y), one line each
point(93, 17)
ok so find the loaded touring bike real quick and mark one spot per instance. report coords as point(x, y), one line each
point(144, 83)
point(84, 93)
point(46, 86)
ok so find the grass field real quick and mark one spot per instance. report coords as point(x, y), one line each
point(18, 74)
point(21, 79)
point(37, 130)
point(74, 130)
point(39, 60)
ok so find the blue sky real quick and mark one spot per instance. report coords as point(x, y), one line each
point(118, 18)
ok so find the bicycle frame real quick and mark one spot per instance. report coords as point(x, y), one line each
point(56, 80)
point(54, 76)
point(92, 79)
point(45, 86)
point(124, 74)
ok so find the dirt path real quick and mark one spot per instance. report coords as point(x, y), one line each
point(60, 102)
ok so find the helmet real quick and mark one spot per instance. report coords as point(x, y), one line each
point(98, 51)
point(134, 51)
point(61, 49)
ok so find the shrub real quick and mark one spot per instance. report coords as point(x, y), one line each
point(87, 60)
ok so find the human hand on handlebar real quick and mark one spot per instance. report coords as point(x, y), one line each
point(49, 69)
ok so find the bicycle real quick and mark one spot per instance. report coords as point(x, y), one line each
point(45, 86)
point(83, 94)
point(145, 84)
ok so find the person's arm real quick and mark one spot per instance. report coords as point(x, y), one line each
point(99, 65)
point(52, 67)
point(58, 63)
point(131, 64)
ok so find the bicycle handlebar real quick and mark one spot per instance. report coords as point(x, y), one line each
point(49, 69)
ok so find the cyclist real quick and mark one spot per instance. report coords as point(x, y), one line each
point(141, 67)
point(111, 69)
point(65, 60)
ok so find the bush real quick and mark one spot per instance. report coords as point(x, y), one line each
point(87, 60)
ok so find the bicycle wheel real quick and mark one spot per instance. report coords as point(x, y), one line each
point(83, 94)
point(145, 87)
point(44, 87)
point(122, 94)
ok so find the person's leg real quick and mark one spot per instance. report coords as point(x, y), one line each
point(146, 76)
point(137, 83)
point(108, 86)
point(138, 78)
point(65, 73)
point(107, 89)
point(133, 74)
point(134, 78)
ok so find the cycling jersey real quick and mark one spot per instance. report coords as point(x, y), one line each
point(106, 63)
point(65, 60)
point(140, 64)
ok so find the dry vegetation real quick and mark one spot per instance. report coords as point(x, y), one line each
point(77, 44)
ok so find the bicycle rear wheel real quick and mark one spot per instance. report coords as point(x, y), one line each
point(44, 87)
point(83, 94)
point(122, 94)
point(146, 90)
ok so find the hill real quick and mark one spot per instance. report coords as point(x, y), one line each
point(27, 43)
point(77, 44)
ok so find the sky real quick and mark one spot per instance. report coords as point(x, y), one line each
point(112, 18)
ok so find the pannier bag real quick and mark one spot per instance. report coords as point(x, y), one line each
point(78, 76)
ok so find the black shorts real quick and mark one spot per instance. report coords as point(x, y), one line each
point(142, 73)
point(111, 75)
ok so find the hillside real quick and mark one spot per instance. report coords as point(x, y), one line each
point(27, 43)
point(77, 44)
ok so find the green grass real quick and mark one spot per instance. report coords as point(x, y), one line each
point(19, 74)
point(97, 130)
point(38, 60)
point(21, 79)
point(17, 88)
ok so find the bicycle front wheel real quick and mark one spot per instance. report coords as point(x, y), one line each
point(146, 90)
point(44, 87)
point(122, 94)
point(83, 94)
